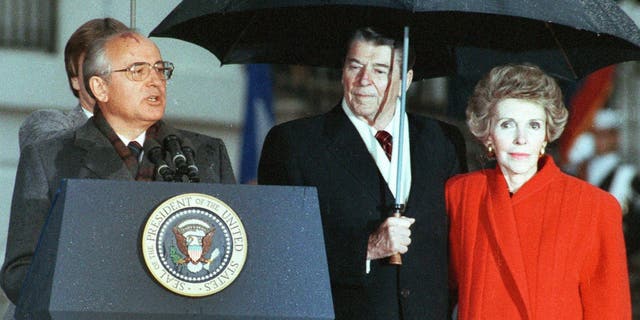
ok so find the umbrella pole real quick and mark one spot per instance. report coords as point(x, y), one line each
point(398, 208)
point(132, 14)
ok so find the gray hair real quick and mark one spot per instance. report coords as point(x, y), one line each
point(96, 62)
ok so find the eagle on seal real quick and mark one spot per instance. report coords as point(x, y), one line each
point(194, 246)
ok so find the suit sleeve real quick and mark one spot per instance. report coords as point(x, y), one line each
point(604, 284)
point(211, 157)
point(29, 209)
point(277, 162)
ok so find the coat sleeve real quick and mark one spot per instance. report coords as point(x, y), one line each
point(278, 165)
point(453, 286)
point(211, 157)
point(29, 210)
point(452, 203)
point(604, 283)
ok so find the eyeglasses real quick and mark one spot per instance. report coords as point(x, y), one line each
point(139, 71)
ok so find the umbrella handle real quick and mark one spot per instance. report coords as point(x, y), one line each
point(396, 259)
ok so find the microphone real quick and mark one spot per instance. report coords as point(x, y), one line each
point(172, 145)
point(156, 156)
point(190, 154)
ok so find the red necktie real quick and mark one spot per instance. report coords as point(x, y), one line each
point(384, 138)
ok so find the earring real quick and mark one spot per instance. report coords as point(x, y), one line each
point(490, 152)
point(541, 152)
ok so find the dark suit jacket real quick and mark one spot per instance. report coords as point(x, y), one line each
point(326, 151)
point(82, 154)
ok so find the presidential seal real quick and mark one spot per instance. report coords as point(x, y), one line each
point(194, 245)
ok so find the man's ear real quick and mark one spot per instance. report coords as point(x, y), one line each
point(409, 77)
point(99, 88)
point(74, 83)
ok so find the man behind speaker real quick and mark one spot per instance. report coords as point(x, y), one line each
point(127, 78)
point(43, 124)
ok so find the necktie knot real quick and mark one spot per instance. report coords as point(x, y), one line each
point(386, 142)
point(135, 149)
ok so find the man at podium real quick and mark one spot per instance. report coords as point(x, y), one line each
point(124, 140)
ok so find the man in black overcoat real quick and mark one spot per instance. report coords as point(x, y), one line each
point(344, 155)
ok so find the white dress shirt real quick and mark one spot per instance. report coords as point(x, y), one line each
point(140, 139)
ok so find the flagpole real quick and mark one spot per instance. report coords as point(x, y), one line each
point(398, 209)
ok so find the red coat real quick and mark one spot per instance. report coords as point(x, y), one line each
point(554, 250)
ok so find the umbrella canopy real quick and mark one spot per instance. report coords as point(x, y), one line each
point(567, 38)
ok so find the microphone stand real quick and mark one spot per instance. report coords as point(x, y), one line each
point(156, 155)
point(182, 157)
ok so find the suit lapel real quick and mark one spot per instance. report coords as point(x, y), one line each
point(100, 158)
point(503, 233)
point(350, 152)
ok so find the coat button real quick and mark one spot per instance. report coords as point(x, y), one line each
point(405, 293)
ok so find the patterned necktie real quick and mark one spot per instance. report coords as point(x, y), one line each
point(135, 148)
point(384, 138)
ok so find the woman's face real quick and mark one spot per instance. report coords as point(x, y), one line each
point(517, 136)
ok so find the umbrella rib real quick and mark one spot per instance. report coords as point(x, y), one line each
point(564, 52)
point(240, 36)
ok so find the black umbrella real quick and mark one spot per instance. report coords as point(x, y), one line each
point(567, 38)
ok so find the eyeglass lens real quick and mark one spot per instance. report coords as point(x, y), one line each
point(140, 70)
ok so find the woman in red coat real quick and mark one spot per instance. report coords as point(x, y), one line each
point(528, 241)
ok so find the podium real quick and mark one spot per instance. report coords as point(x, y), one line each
point(89, 265)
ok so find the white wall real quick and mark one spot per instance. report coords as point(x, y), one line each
point(202, 96)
